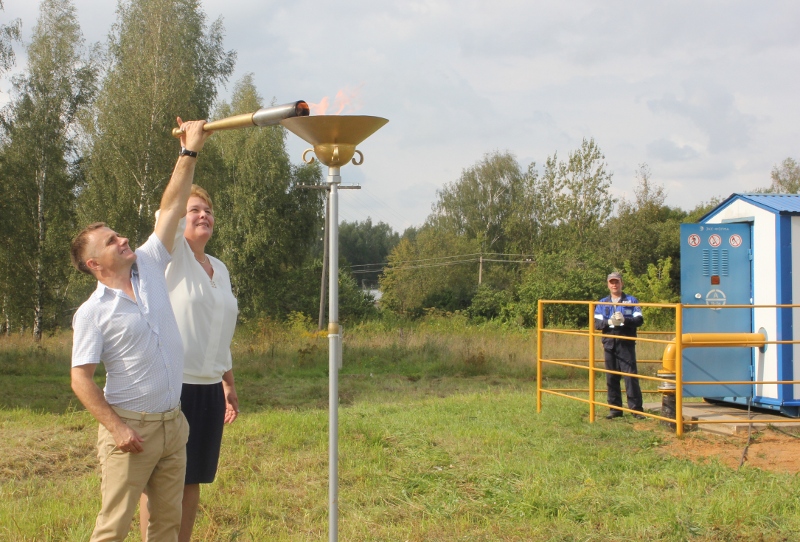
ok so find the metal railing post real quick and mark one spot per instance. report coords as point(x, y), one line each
point(679, 370)
point(591, 363)
point(539, 335)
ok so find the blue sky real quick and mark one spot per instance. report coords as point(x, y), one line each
point(703, 92)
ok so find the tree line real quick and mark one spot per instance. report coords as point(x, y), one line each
point(549, 232)
point(86, 137)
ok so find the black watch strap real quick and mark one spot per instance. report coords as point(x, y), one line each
point(187, 152)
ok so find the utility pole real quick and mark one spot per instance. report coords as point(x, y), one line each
point(480, 270)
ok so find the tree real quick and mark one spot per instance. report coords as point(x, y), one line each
point(701, 209)
point(400, 285)
point(547, 216)
point(566, 205)
point(483, 202)
point(786, 178)
point(366, 248)
point(438, 269)
point(8, 34)
point(583, 200)
point(38, 161)
point(573, 274)
point(164, 62)
point(645, 230)
point(654, 286)
point(267, 223)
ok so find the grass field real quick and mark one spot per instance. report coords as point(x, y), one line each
point(439, 440)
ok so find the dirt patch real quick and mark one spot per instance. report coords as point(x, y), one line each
point(768, 450)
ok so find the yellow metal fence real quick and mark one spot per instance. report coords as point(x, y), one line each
point(643, 337)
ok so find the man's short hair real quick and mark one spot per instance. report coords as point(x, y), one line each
point(78, 246)
point(202, 194)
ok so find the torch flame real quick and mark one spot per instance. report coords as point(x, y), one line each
point(345, 101)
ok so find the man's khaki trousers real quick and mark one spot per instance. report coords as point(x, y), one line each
point(160, 467)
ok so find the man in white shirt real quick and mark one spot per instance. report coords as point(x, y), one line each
point(128, 325)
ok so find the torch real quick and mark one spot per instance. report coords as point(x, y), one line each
point(334, 139)
point(267, 116)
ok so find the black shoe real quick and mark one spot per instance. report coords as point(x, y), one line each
point(640, 416)
point(613, 415)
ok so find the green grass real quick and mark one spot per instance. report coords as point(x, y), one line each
point(439, 440)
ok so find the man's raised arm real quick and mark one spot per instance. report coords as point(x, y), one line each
point(173, 202)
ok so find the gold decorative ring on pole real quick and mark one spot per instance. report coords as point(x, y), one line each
point(360, 156)
point(305, 152)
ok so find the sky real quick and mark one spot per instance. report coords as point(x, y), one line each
point(701, 91)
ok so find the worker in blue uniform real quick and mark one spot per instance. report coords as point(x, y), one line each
point(618, 315)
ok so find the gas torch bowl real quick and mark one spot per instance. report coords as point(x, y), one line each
point(334, 137)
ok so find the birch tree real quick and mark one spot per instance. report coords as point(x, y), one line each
point(786, 178)
point(266, 222)
point(163, 62)
point(481, 204)
point(8, 33)
point(38, 159)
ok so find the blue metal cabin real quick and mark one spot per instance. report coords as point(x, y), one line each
point(740, 253)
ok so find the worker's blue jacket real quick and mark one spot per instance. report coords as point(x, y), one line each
point(631, 312)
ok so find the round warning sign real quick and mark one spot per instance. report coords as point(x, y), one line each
point(715, 240)
point(694, 240)
point(735, 240)
point(716, 297)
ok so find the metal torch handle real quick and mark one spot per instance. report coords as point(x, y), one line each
point(268, 116)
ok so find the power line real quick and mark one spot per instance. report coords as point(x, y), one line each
point(438, 258)
point(441, 264)
point(440, 261)
point(508, 261)
point(422, 260)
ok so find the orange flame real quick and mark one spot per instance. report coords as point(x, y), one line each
point(346, 101)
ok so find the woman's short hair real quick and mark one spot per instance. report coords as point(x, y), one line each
point(78, 246)
point(202, 194)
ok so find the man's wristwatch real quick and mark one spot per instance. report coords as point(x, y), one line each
point(187, 152)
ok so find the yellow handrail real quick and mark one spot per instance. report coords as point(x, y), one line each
point(673, 351)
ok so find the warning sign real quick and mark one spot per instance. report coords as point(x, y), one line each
point(694, 240)
point(735, 241)
point(715, 240)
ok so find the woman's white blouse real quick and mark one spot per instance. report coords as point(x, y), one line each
point(206, 311)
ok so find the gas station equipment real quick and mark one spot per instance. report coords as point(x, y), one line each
point(740, 254)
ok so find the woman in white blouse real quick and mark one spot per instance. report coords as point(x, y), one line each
point(206, 310)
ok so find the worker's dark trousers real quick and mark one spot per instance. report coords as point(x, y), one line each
point(621, 356)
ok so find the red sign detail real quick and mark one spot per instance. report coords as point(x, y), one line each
point(735, 241)
point(715, 240)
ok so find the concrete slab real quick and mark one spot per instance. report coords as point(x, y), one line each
point(730, 419)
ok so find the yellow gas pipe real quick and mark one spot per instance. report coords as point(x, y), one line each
point(698, 340)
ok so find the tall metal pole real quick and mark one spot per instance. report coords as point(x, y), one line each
point(322, 285)
point(334, 354)
point(334, 139)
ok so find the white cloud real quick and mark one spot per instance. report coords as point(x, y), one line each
point(703, 91)
point(714, 111)
point(669, 151)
